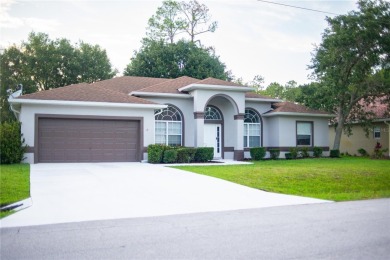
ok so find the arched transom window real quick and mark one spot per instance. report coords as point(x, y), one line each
point(211, 113)
point(168, 126)
point(252, 128)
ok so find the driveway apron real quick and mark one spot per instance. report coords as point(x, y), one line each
point(76, 192)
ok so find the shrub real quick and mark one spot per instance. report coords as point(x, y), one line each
point(288, 156)
point(12, 145)
point(317, 151)
point(362, 152)
point(257, 153)
point(293, 152)
point(156, 153)
point(204, 154)
point(335, 153)
point(185, 155)
point(274, 153)
point(304, 152)
point(170, 155)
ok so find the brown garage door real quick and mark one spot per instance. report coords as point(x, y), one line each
point(88, 140)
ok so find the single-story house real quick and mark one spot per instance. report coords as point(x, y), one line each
point(116, 119)
point(379, 133)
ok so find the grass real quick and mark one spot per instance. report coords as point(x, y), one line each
point(342, 179)
point(14, 184)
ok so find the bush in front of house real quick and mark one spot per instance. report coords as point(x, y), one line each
point(257, 153)
point(12, 145)
point(186, 154)
point(334, 153)
point(362, 152)
point(274, 153)
point(170, 155)
point(288, 156)
point(294, 152)
point(156, 153)
point(317, 151)
point(204, 154)
point(304, 152)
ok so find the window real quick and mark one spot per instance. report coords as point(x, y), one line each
point(168, 126)
point(211, 113)
point(304, 133)
point(377, 132)
point(252, 128)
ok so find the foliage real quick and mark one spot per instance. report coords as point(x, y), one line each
point(174, 18)
point(12, 144)
point(348, 178)
point(294, 152)
point(274, 153)
point(161, 60)
point(304, 152)
point(41, 63)
point(257, 153)
point(156, 153)
point(289, 92)
point(288, 156)
point(170, 155)
point(317, 151)
point(14, 182)
point(362, 152)
point(352, 63)
point(335, 153)
point(204, 154)
point(186, 154)
point(379, 153)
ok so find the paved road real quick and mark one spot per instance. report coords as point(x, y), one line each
point(347, 230)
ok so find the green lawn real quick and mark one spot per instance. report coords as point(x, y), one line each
point(14, 184)
point(347, 178)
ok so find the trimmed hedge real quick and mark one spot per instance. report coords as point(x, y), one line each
point(294, 152)
point(204, 154)
point(317, 151)
point(257, 153)
point(170, 155)
point(186, 154)
point(156, 153)
point(288, 156)
point(274, 153)
point(334, 153)
point(304, 152)
point(12, 145)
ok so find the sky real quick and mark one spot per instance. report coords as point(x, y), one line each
point(252, 38)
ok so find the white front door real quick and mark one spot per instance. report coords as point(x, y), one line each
point(212, 138)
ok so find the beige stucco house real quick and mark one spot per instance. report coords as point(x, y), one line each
point(116, 119)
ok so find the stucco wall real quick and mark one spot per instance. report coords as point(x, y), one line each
point(28, 112)
point(358, 139)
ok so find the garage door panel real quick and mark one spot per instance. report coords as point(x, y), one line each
point(88, 140)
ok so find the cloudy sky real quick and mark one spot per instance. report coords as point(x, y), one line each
point(252, 38)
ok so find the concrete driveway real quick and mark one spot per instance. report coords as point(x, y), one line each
point(95, 191)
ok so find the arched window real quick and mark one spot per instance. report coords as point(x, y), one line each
point(252, 128)
point(211, 113)
point(168, 126)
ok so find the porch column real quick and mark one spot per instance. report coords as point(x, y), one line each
point(199, 129)
point(239, 143)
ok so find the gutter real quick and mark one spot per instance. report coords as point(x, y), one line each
point(297, 114)
point(215, 87)
point(152, 94)
point(264, 100)
point(12, 97)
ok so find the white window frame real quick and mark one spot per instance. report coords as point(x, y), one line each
point(311, 133)
point(167, 134)
point(246, 135)
point(377, 131)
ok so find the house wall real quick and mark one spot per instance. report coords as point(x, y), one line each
point(358, 139)
point(28, 112)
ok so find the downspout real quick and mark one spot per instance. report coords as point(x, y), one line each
point(388, 130)
point(13, 96)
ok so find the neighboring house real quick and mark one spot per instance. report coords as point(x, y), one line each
point(116, 119)
point(379, 133)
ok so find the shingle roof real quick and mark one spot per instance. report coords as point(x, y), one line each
point(294, 108)
point(85, 92)
point(170, 86)
point(218, 82)
point(255, 95)
point(378, 107)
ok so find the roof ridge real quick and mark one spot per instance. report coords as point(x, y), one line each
point(165, 82)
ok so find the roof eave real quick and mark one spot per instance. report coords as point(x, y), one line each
point(297, 114)
point(157, 94)
point(85, 103)
point(263, 100)
point(215, 87)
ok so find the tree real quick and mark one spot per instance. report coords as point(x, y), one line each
point(197, 19)
point(274, 90)
point(162, 60)
point(173, 18)
point(41, 63)
point(352, 63)
point(257, 83)
point(167, 22)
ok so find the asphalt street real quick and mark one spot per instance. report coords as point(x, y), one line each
point(344, 230)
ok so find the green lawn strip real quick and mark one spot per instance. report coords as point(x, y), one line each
point(347, 178)
point(14, 183)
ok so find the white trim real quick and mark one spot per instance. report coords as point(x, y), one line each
point(263, 100)
point(297, 114)
point(154, 94)
point(84, 103)
point(215, 87)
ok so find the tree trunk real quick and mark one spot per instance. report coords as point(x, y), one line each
point(339, 129)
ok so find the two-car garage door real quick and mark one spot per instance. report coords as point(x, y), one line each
point(88, 140)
